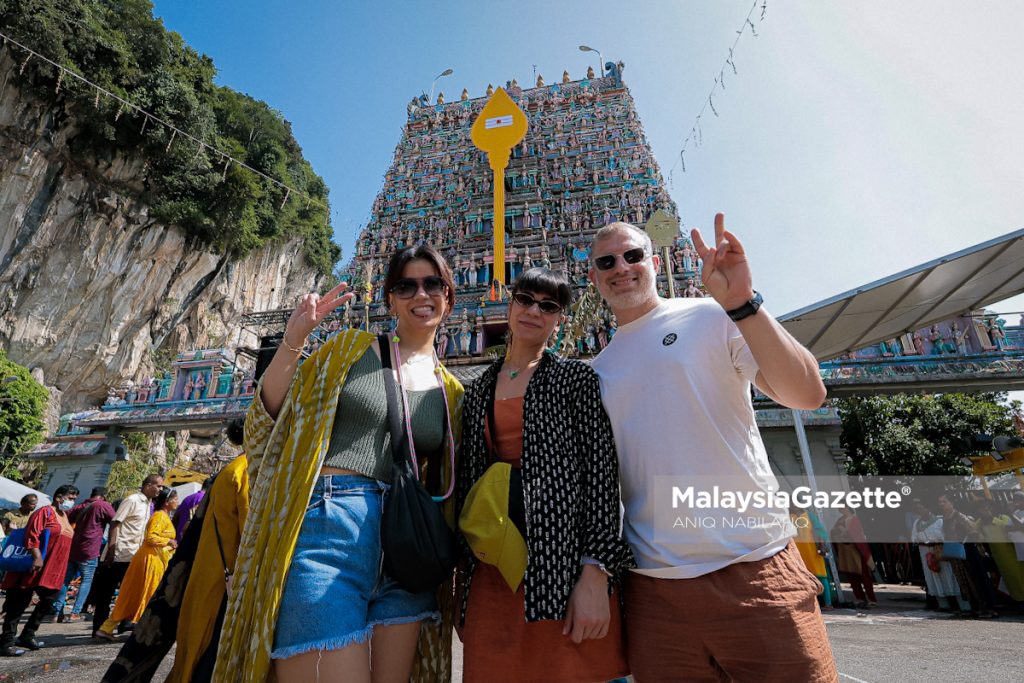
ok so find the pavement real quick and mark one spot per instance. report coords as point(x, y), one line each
point(898, 641)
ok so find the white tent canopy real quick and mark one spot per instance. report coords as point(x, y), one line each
point(945, 288)
point(11, 493)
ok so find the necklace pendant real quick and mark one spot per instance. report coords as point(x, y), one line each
point(512, 374)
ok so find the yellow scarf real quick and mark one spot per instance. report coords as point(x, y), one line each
point(285, 458)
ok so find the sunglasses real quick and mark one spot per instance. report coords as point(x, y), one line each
point(545, 305)
point(630, 256)
point(407, 287)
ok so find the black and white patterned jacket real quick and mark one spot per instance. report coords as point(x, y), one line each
point(570, 479)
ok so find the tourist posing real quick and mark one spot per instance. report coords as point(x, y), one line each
point(90, 520)
point(714, 603)
point(46, 576)
point(147, 566)
point(319, 435)
point(127, 530)
point(542, 610)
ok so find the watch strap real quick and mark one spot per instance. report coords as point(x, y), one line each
point(748, 309)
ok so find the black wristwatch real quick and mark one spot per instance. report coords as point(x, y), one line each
point(748, 309)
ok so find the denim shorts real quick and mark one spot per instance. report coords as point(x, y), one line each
point(336, 590)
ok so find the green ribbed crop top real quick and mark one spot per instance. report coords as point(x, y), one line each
point(360, 438)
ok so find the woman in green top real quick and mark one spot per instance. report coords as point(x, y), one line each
point(337, 599)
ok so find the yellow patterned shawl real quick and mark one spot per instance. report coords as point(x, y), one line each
point(285, 457)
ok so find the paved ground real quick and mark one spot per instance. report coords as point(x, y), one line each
point(897, 642)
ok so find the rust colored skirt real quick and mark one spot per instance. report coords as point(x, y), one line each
point(500, 646)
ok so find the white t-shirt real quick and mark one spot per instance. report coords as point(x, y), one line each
point(133, 514)
point(676, 385)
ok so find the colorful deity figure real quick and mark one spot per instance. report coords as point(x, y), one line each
point(441, 344)
point(995, 330)
point(465, 334)
point(935, 337)
point(187, 393)
point(918, 344)
point(200, 387)
point(688, 253)
point(692, 291)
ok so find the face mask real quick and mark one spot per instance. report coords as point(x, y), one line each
point(67, 504)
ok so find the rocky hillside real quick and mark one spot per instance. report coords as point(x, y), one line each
point(90, 284)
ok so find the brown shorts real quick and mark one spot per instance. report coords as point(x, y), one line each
point(750, 621)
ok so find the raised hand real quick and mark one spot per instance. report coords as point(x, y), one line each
point(310, 311)
point(726, 273)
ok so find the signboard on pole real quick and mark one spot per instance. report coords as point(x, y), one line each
point(499, 127)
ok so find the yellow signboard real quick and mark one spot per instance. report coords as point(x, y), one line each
point(499, 128)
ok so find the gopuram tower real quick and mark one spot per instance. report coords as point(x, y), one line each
point(584, 162)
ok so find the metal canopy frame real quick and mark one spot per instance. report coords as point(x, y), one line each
point(944, 288)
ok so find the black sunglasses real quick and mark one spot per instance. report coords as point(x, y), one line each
point(545, 305)
point(407, 287)
point(630, 256)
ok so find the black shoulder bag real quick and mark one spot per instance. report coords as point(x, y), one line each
point(419, 547)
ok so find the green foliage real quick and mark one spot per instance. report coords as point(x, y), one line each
point(126, 476)
point(918, 435)
point(22, 402)
point(122, 47)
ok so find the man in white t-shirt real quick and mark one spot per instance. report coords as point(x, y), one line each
point(126, 532)
point(716, 595)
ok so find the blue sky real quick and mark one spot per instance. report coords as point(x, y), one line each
point(857, 139)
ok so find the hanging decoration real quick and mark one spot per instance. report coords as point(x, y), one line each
point(696, 135)
point(147, 116)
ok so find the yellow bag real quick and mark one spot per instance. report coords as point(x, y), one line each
point(486, 524)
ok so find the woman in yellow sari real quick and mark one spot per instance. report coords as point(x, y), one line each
point(147, 567)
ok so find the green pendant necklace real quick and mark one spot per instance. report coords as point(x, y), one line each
point(512, 374)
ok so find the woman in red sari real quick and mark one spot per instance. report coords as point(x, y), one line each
point(45, 578)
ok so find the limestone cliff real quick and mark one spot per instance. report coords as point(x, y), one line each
point(90, 285)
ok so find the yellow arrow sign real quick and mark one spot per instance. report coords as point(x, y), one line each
point(499, 128)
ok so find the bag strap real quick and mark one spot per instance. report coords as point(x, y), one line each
point(516, 498)
point(399, 439)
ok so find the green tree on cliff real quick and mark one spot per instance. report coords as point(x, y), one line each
point(122, 47)
point(918, 435)
point(22, 402)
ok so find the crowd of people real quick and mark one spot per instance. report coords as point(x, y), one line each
point(94, 549)
point(968, 553)
point(287, 566)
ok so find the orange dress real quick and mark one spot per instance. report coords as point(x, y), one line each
point(499, 645)
point(146, 570)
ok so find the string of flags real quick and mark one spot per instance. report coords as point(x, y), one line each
point(147, 116)
point(696, 134)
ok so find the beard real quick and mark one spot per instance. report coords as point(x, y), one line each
point(643, 293)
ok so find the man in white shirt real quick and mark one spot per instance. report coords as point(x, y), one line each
point(126, 531)
point(708, 601)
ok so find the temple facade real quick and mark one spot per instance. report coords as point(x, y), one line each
point(584, 162)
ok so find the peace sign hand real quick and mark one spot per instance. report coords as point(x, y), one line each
point(310, 310)
point(726, 273)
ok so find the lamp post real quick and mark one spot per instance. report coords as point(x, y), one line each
point(600, 66)
point(446, 72)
